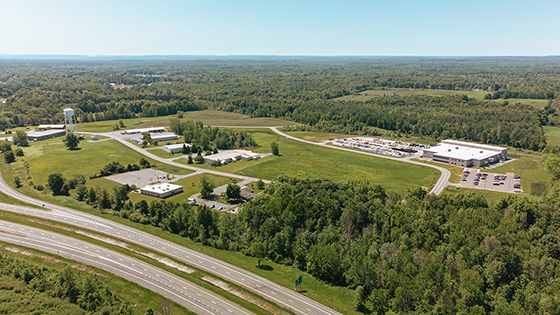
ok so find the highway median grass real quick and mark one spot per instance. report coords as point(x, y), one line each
point(134, 251)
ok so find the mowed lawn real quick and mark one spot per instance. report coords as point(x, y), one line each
point(208, 118)
point(305, 160)
point(191, 186)
point(552, 134)
point(51, 156)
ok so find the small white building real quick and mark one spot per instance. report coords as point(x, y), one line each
point(163, 190)
point(226, 157)
point(175, 148)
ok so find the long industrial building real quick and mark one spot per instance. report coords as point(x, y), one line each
point(465, 154)
point(47, 134)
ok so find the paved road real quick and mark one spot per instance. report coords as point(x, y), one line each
point(185, 293)
point(282, 296)
point(438, 187)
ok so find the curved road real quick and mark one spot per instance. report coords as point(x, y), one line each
point(185, 293)
point(438, 187)
point(278, 294)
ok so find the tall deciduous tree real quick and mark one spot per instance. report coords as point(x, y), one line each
point(206, 187)
point(71, 141)
point(275, 149)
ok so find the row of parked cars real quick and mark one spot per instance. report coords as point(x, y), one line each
point(498, 179)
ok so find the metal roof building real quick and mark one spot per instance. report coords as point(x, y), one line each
point(231, 156)
point(175, 148)
point(161, 190)
point(465, 154)
point(143, 130)
point(43, 135)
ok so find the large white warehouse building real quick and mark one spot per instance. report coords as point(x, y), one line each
point(465, 154)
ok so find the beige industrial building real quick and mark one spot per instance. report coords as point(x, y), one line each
point(47, 134)
point(163, 190)
point(175, 148)
point(465, 154)
point(226, 157)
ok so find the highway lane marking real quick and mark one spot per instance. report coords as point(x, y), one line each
point(201, 267)
point(209, 293)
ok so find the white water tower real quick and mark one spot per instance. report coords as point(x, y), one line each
point(70, 121)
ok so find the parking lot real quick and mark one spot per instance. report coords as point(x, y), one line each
point(492, 181)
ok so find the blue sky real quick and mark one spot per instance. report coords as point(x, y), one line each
point(220, 27)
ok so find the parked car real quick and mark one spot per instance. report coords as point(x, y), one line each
point(475, 183)
point(517, 191)
point(516, 185)
point(496, 183)
point(503, 177)
point(516, 176)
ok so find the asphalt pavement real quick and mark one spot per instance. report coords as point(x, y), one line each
point(278, 294)
point(185, 293)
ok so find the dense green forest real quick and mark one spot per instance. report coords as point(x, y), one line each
point(301, 90)
point(409, 252)
point(29, 289)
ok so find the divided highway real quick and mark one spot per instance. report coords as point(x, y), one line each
point(278, 294)
point(185, 293)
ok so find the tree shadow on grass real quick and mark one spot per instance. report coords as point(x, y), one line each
point(76, 149)
point(265, 267)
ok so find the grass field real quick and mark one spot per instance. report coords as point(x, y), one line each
point(552, 134)
point(456, 171)
point(51, 156)
point(305, 160)
point(369, 94)
point(208, 117)
point(534, 178)
point(191, 186)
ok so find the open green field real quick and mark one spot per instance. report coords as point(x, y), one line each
point(51, 156)
point(191, 186)
point(534, 178)
point(369, 94)
point(456, 171)
point(306, 160)
point(208, 117)
point(552, 134)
